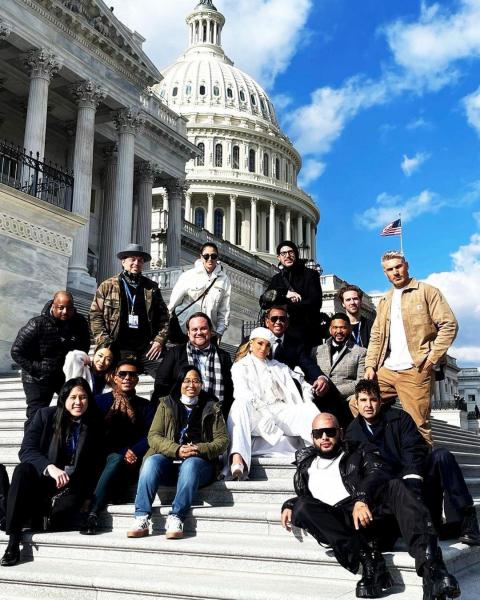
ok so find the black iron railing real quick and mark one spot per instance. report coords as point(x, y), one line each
point(29, 174)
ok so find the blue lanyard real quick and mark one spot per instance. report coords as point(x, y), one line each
point(130, 298)
point(358, 337)
point(184, 430)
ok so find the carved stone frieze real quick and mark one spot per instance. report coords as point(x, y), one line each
point(34, 234)
point(5, 29)
point(88, 94)
point(42, 63)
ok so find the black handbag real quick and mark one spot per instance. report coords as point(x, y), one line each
point(175, 333)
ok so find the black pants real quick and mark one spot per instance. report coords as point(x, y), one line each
point(29, 499)
point(444, 484)
point(39, 395)
point(334, 525)
point(333, 403)
point(4, 487)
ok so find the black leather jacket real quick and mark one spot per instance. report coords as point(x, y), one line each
point(363, 471)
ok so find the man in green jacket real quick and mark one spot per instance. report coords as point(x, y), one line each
point(410, 337)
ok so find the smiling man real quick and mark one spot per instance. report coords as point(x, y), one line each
point(410, 337)
point(214, 363)
point(351, 297)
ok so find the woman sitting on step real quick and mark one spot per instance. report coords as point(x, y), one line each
point(187, 436)
point(98, 370)
point(269, 415)
point(58, 467)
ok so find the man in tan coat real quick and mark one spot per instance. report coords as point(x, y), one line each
point(410, 337)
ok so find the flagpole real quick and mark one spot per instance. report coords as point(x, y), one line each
point(401, 233)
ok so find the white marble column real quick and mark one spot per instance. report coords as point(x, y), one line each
point(175, 192)
point(233, 218)
point(288, 225)
point(299, 229)
point(253, 224)
point(271, 234)
point(314, 243)
point(87, 95)
point(210, 211)
point(127, 122)
point(188, 206)
point(146, 174)
point(308, 237)
point(108, 264)
point(43, 65)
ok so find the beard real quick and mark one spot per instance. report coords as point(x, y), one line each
point(329, 454)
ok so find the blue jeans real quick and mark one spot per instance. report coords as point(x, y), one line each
point(189, 475)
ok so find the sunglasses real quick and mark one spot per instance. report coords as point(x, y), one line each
point(276, 318)
point(328, 431)
point(210, 256)
point(125, 374)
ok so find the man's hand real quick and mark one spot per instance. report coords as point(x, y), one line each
point(61, 478)
point(427, 367)
point(361, 515)
point(154, 351)
point(370, 373)
point(187, 450)
point(320, 386)
point(293, 296)
point(130, 457)
point(286, 519)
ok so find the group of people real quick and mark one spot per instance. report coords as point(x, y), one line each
point(366, 472)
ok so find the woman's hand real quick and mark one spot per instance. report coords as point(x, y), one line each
point(61, 478)
point(187, 450)
point(130, 457)
point(286, 519)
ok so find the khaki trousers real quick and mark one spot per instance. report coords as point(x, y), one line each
point(414, 389)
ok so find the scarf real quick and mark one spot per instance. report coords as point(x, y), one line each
point(121, 404)
point(212, 374)
point(133, 279)
point(189, 402)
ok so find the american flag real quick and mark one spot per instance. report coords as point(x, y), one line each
point(394, 228)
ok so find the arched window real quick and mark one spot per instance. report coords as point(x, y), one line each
point(204, 30)
point(218, 155)
point(203, 90)
point(251, 160)
point(277, 168)
point(266, 163)
point(188, 89)
point(201, 158)
point(253, 100)
point(175, 91)
point(200, 217)
point(216, 90)
point(229, 92)
point(242, 95)
point(236, 157)
point(287, 171)
point(218, 223)
point(238, 228)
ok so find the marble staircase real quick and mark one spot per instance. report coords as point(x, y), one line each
point(234, 549)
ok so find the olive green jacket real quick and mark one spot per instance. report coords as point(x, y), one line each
point(166, 423)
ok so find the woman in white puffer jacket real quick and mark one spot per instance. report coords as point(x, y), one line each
point(207, 274)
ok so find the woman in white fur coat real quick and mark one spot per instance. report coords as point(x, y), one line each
point(269, 415)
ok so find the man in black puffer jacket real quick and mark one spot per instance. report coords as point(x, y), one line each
point(41, 346)
point(343, 491)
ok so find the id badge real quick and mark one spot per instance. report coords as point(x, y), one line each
point(133, 321)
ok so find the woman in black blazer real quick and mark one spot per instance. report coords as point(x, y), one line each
point(57, 469)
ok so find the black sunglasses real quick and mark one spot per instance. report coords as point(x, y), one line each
point(210, 256)
point(328, 431)
point(276, 318)
point(125, 374)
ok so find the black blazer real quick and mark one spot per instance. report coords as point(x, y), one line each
point(39, 449)
point(397, 438)
point(176, 359)
point(293, 354)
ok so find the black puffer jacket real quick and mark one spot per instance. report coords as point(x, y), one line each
point(42, 344)
point(364, 472)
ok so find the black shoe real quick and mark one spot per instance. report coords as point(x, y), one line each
point(469, 530)
point(438, 584)
point(375, 576)
point(11, 556)
point(91, 525)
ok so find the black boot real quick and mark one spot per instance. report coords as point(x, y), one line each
point(375, 575)
point(469, 531)
point(438, 584)
point(12, 553)
point(91, 525)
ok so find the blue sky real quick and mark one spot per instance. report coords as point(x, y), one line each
point(382, 98)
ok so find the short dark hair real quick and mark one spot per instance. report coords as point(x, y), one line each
point(276, 307)
point(129, 360)
point(290, 244)
point(368, 386)
point(341, 317)
point(207, 245)
point(203, 316)
point(349, 288)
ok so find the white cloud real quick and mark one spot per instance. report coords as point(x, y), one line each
point(311, 170)
point(472, 108)
point(419, 123)
point(261, 36)
point(410, 165)
point(387, 208)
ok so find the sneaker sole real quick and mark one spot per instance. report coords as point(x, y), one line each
point(174, 535)
point(138, 534)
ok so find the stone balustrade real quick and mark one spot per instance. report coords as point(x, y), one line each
point(153, 106)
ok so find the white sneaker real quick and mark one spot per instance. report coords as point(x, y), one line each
point(141, 527)
point(174, 528)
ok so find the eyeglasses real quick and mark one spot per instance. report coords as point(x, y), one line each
point(287, 253)
point(125, 374)
point(279, 318)
point(190, 381)
point(210, 256)
point(328, 431)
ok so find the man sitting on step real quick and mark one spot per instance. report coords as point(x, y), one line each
point(434, 476)
point(342, 487)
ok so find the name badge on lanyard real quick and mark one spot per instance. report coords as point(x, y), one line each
point(133, 321)
point(132, 318)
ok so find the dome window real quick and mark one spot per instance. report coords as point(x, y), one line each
point(201, 158)
point(219, 155)
point(216, 90)
point(162, 93)
point(277, 168)
point(218, 223)
point(251, 160)
point(188, 89)
point(236, 157)
point(253, 100)
point(200, 217)
point(229, 92)
point(175, 91)
point(203, 90)
point(266, 165)
point(242, 95)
